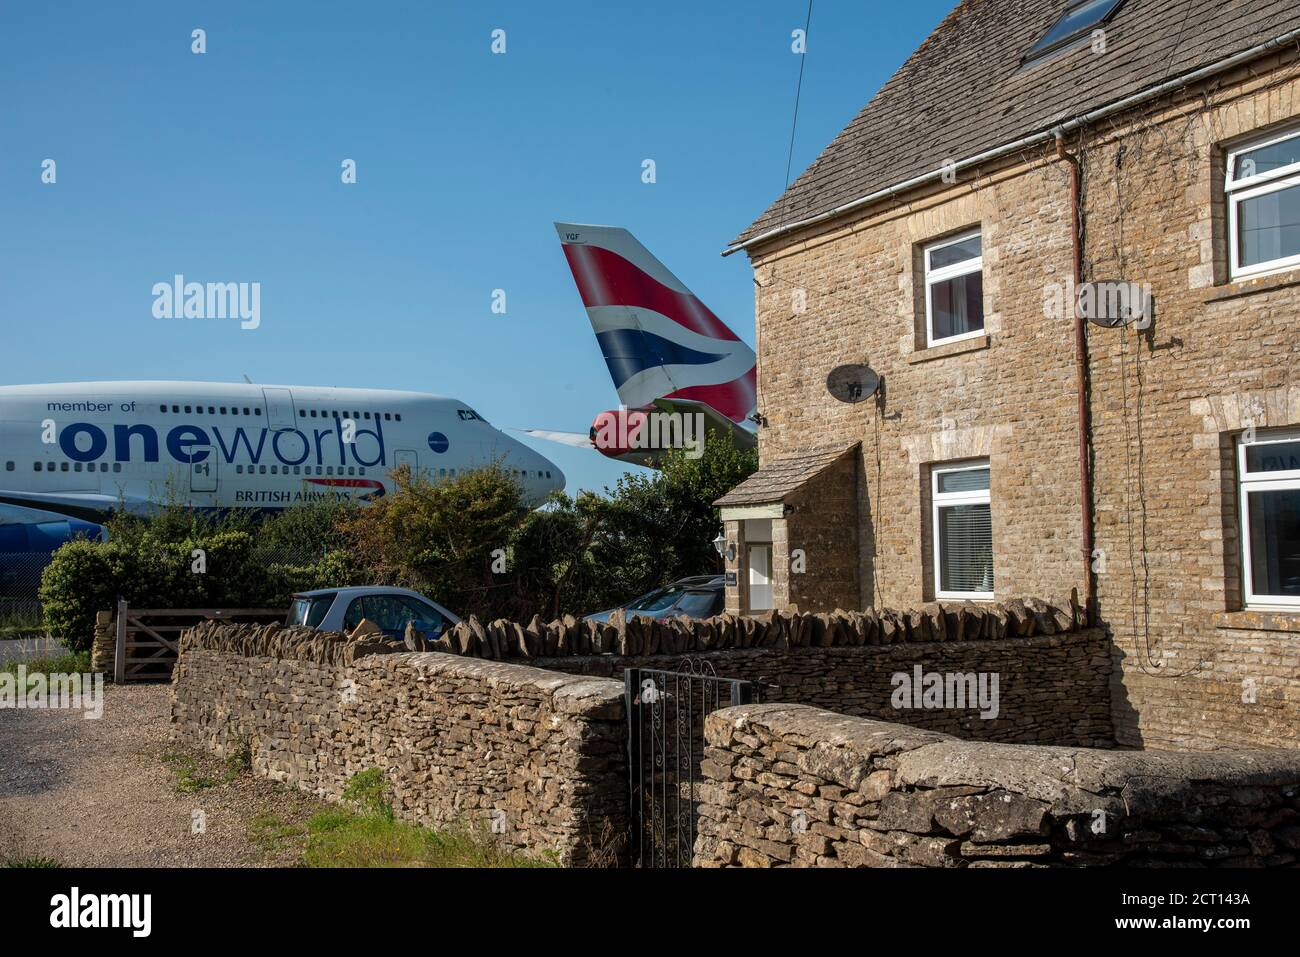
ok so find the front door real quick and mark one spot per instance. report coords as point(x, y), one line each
point(760, 577)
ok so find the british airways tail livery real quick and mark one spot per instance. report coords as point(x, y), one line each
point(83, 449)
point(665, 350)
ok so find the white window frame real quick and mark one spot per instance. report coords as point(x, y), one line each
point(1247, 187)
point(1261, 482)
point(933, 276)
point(940, 500)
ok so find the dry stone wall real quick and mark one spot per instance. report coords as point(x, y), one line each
point(1052, 673)
point(1050, 689)
point(791, 785)
point(536, 757)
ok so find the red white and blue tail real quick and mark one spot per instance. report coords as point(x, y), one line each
point(659, 341)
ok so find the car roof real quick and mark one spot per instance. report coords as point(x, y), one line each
point(700, 580)
point(353, 591)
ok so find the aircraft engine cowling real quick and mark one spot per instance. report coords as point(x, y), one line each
point(615, 432)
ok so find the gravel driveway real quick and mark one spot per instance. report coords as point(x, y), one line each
point(105, 792)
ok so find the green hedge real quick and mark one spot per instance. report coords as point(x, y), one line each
point(87, 577)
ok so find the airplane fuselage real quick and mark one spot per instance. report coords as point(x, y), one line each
point(79, 448)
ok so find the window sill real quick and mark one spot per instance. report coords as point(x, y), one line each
point(945, 349)
point(1251, 287)
point(1259, 620)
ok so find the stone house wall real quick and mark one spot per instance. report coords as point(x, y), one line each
point(1194, 669)
point(790, 785)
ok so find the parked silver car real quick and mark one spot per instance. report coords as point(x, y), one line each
point(342, 609)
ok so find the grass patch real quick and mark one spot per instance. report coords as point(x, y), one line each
point(30, 862)
point(338, 838)
point(366, 834)
point(272, 835)
point(20, 624)
point(72, 662)
point(191, 777)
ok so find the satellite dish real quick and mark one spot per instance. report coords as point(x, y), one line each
point(852, 383)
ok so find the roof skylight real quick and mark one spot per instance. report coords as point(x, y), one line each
point(1079, 19)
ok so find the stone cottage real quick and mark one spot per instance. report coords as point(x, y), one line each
point(1059, 253)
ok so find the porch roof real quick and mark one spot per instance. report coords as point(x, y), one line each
point(777, 480)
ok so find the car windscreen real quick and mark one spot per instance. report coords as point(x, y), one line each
point(657, 600)
point(699, 604)
point(309, 611)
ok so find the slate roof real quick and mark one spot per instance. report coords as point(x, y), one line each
point(964, 90)
point(776, 480)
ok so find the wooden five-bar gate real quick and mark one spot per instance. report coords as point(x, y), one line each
point(148, 639)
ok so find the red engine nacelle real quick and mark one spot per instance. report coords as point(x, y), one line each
point(615, 433)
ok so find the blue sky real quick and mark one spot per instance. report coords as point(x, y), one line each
point(226, 167)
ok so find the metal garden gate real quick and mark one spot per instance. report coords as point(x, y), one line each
point(665, 742)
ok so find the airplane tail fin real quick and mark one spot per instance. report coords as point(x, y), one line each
point(659, 341)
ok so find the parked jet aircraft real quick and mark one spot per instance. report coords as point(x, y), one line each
point(665, 350)
point(80, 449)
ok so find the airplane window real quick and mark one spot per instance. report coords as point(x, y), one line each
point(175, 409)
point(313, 413)
point(397, 416)
point(212, 410)
point(388, 416)
point(442, 472)
point(37, 466)
point(361, 471)
point(274, 471)
point(103, 466)
point(187, 410)
point(9, 466)
point(302, 413)
point(239, 470)
point(162, 408)
point(365, 414)
point(223, 410)
point(295, 470)
point(117, 466)
point(246, 412)
point(63, 466)
point(257, 411)
point(261, 469)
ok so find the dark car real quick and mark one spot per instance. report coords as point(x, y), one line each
point(700, 596)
